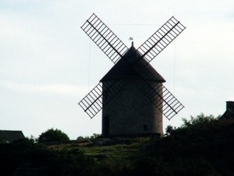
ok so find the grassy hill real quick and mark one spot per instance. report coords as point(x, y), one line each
point(199, 147)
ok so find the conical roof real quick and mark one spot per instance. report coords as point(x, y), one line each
point(132, 66)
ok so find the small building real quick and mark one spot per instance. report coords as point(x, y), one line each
point(229, 113)
point(10, 136)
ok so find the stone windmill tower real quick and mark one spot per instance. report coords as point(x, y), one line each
point(131, 94)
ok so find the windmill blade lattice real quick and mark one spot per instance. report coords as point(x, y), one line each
point(149, 50)
point(170, 106)
point(104, 38)
point(161, 39)
point(93, 102)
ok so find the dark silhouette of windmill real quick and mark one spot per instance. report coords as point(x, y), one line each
point(131, 94)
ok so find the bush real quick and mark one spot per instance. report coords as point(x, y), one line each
point(199, 119)
point(2, 139)
point(52, 135)
point(194, 122)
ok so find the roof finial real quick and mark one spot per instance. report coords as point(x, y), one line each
point(131, 38)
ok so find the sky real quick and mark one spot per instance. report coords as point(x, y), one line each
point(48, 64)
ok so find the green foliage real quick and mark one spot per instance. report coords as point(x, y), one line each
point(80, 138)
point(203, 145)
point(25, 157)
point(94, 136)
point(199, 119)
point(52, 135)
point(19, 153)
point(169, 130)
point(69, 161)
point(2, 139)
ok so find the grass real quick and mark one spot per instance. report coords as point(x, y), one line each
point(104, 148)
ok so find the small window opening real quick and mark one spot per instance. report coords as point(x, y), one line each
point(145, 127)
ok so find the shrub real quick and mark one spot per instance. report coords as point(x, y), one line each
point(52, 135)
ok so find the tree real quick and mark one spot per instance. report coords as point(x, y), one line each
point(53, 135)
point(169, 130)
point(199, 120)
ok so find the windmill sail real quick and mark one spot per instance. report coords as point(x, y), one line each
point(104, 38)
point(170, 106)
point(149, 50)
point(93, 102)
point(161, 39)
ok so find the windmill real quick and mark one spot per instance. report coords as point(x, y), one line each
point(131, 94)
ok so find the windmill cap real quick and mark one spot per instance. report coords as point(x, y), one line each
point(132, 66)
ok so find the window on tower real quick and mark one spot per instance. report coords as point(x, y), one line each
point(145, 127)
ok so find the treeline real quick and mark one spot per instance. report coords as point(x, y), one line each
point(203, 145)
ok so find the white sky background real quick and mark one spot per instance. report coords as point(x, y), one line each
point(48, 64)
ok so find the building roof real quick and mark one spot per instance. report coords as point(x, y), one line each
point(11, 136)
point(229, 113)
point(132, 66)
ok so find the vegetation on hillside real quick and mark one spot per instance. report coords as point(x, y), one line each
point(52, 135)
point(203, 145)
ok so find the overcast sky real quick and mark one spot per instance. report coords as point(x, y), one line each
point(48, 64)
